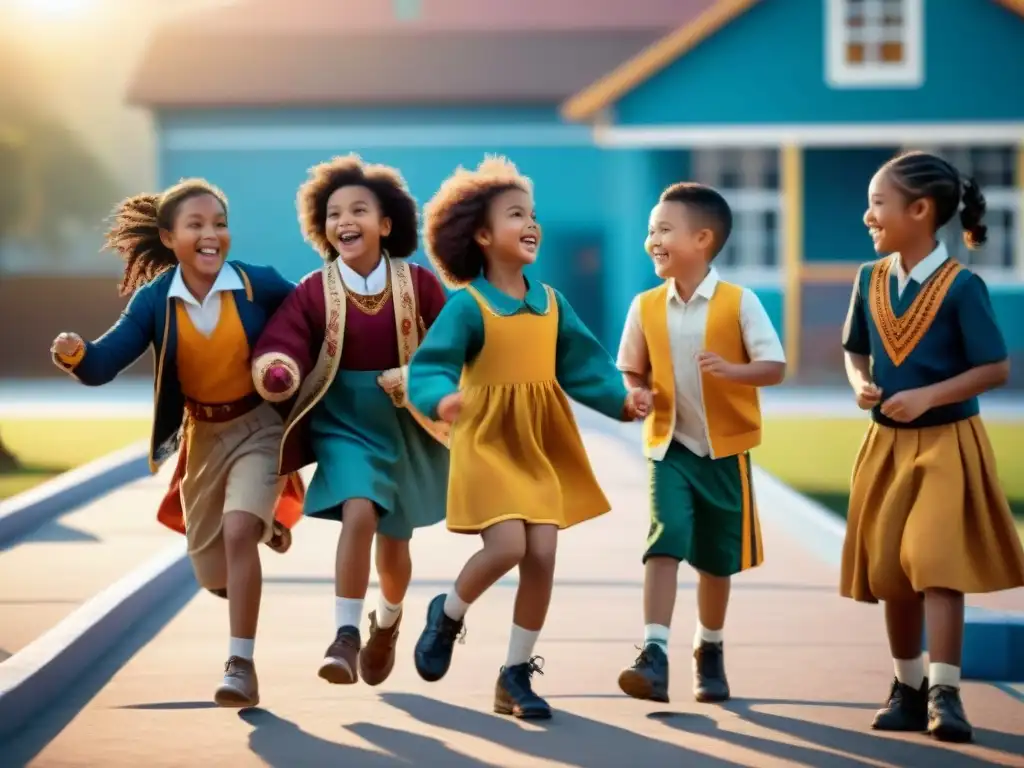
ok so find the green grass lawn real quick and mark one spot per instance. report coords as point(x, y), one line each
point(48, 447)
point(815, 456)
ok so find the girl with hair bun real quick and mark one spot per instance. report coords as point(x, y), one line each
point(202, 315)
point(928, 521)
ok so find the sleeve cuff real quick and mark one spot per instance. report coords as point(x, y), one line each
point(262, 365)
point(68, 363)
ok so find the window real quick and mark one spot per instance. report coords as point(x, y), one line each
point(994, 170)
point(749, 181)
point(874, 43)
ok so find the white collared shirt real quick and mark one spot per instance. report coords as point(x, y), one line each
point(924, 269)
point(371, 285)
point(205, 314)
point(687, 322)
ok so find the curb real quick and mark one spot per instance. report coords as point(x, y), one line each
point(38, 674)
point(28, 510)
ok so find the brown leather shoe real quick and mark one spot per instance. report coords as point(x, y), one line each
point(377, 658)
point(240, 688)
point(341, 662)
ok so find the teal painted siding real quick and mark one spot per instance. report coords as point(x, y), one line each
point(768, 66)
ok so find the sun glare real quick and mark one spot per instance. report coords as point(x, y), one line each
point(56, 8)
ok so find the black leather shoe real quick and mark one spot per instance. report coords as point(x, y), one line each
point(647, 679)
point(433, 652)
point(905, 710)
point(513, 694)
point(709, 682)
point(947, 720)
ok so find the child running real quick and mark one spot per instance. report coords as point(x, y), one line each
point(928, 521)
point(338, 347)
point(494, 366)
point(705, 346)
point(202, 314)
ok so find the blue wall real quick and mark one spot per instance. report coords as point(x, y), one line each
point(768, 66)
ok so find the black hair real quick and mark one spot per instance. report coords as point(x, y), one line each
point(458, 210)
point(135, 230)
point(710, 207)
point(386, 184)
point(919, 175)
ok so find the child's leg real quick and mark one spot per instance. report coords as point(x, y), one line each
point(906, 709)
point(944, 612)
point(712, 604)
point(661, 581)
point(351, 580)
point(504, 547)
point(394, 569)
point(514, 692)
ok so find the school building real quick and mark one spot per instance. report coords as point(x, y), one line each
point(787, 106)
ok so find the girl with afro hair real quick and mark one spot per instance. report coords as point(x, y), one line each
point(338, 350)
point(498, 364)
point(201, 314)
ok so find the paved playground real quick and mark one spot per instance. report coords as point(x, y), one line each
point(806, 667)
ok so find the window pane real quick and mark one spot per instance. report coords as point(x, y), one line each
point(855, 53)
point(892, 53)
point(771, 228)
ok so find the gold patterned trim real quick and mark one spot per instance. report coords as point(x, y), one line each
point(370, 305)
point(262, 364)
point(901, 335)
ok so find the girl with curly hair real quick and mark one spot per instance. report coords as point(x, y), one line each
point(338, 350)
point(498, 364)
point(202, 314)
point(928, 521)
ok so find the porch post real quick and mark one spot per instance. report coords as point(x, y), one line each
point(792, 183)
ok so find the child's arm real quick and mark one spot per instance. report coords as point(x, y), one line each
point(984, 345)
point(284, 354)
point(584, 368)
point(279, 288)
point(455, 338)
point(634, 359)
point(767, 366)
point(98, 362)
point(857, 348)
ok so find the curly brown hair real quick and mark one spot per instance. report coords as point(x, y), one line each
point(459, 209)
point(388, 187)
point(135, 230)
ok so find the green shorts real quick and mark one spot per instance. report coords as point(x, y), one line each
point(703, 512)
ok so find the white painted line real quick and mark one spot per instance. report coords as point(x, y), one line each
point(36, 675)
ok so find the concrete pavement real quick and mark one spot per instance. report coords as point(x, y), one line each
point(807, 669)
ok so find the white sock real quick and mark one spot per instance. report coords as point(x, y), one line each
point(910, 671)
point(387, 613)
point(454, 606)
point(943, 674)
point(704, 635)
point(520, 645)
point(242, 647)
point(657, 634)
point(348, 612)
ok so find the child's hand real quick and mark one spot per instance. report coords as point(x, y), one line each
point(67, 345)
point(711, 363)
point(868, 395)
point(906, 406)
point(390, 381)
point(639, 402)
point(450, 407)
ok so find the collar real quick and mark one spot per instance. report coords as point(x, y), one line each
point(705, 290)
point(372, 284)
point(228, 279)
point(536, 299)
point(926, 268)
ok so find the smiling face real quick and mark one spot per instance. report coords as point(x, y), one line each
point(355, 225)
point(676, 242)
point(891, 221)
point(199, 235)
point(512, 233)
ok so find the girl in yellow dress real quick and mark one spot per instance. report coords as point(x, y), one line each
point(497, 365)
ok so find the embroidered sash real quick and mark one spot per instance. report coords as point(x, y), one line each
point(901, 335)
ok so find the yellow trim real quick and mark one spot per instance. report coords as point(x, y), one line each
point(751, 546)
point(651, 60)
point(792, 179)
point(246, 282)
point(1017, 6)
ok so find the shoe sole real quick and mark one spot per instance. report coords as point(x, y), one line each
point(234, 699)
point(951, 735)
point(704, 698)
point(338, 672)
point(639, 687)
point(521, 714)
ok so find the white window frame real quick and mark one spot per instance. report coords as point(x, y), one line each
point(751, 199)
point(1002, 200)
point(839, 73)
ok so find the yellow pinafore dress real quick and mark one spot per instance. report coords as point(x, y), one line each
point(516, 452)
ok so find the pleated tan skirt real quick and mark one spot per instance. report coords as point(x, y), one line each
point(927, 511)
